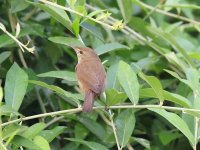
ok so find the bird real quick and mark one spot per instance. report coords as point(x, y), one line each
point(91, 76)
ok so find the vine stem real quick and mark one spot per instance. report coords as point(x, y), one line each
point(76, 110)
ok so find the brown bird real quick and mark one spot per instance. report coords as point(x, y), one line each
point(90, 74)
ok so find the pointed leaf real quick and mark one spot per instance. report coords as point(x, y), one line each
point(155, 84)
point(66, 75)
point(91, 145)
point(66, 41)
point(15, 86)
point(128, 81)
point(125, 123)
point(177, 122)
point(114, 97)
point(102, 49)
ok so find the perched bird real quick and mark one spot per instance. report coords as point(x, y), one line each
point(90, 74)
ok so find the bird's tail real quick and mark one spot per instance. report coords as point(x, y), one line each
point(89, 101)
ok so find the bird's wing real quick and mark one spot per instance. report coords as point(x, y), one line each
point(91, 75)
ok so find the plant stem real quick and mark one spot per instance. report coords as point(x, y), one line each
point(76, 12)
point(196, 127)
point(168, 13)
point(76, 110)
point(114, 130)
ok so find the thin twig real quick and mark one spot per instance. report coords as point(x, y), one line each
point(196, 127)
point(76, 110)
point(168, 13)
point(114, 130)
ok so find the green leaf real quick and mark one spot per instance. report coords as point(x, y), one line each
point(171, 40)
point(80, 131)
point(11, 130)
point(93, 126)
point(57, 90)
point(76, 26)
point(129, 81)
point(58, 14)
point(102, 49)
point(93, 29)
point(41, 142)
point(32, 131)
point(111, 77)
point(4, 56)
point(21, 141)
point(125, 123)
point(177, 122)
point(72, 42)
point(90, 15)
point(8, 110)
point(114, 97)
point(126, 9)
point(66, 75)
point(91, 145)
point(155, 84)
point(174, 74)
point(49, 135)
point(18, 5)
point(166, 137)
point(15, 86)
point(175, 98)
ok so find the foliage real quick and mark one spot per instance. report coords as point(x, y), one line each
point(151, 53)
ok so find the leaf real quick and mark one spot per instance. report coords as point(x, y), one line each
point(125, 123)
point(8, 110)
point(72, 42)
point(49, 135)
point(15, 86)
point(91, 145)
point(102, 49)
point(178, 122)
point(94, 127)
point(145, 143)
point(66, 75)
point(126, 9)
point(166, 137)
point(172, 41)
point(174, 74)
point(112, 77)
point(21, 141)
point(128, 81)
point(76, 27)
point(4, 56)
point(58, 14)
point(80, 131)
point(93, 29)
point(18, 5)
point(175, 98)
point(90, 15)
point(155, 84)
point(41, 142)
point(32, 131)
point(114, 97)
point(57, 90)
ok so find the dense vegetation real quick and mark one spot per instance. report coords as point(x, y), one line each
point(150, 50)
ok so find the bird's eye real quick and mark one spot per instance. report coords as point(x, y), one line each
point(81, 52)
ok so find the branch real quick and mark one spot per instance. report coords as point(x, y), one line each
point(76, 110)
